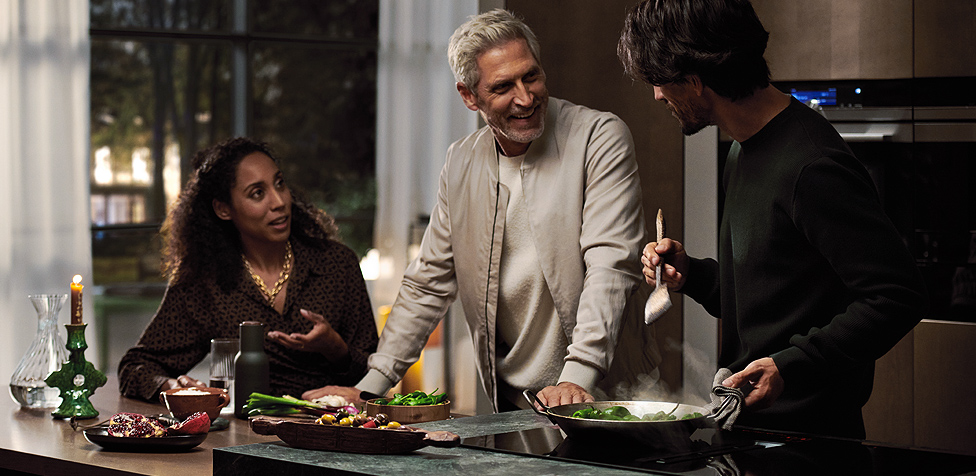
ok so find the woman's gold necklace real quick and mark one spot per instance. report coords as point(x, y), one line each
point(282, 277)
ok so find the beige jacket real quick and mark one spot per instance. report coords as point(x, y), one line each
point(583, 193)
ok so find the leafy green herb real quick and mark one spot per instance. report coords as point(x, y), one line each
point(619, 413)
point(415, 397)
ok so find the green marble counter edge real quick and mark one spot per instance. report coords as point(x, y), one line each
point(279, 458)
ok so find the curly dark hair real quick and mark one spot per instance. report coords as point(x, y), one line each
point(720, 41)
point(198, 244)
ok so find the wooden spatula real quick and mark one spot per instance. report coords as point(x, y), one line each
point(659, 301)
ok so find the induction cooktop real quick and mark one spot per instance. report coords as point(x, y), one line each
point(711, 451)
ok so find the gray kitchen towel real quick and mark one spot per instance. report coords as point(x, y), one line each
point(724, 414)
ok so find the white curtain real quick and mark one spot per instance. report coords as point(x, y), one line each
point(419, 114)
point(44, 144)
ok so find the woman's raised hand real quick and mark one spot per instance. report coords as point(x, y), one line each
point(322, 339)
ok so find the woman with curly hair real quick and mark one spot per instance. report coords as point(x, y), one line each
point(241, 246)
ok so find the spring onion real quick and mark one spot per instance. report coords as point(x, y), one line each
point(261, 404)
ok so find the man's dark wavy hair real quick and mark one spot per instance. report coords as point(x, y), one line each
point(720, 41)
point(199, 247)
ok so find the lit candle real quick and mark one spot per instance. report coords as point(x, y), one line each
point(76, 288)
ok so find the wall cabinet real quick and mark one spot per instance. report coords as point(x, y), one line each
point(838, 39)
point(945, 38)
point(869, 39)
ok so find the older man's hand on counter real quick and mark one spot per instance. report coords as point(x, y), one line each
point(563, 393)
point(351, 394)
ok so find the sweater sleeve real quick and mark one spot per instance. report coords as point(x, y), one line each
point(855, 237)
point(702, 284)
point(172, 344)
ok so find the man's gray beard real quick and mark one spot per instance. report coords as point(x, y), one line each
point(528, 137)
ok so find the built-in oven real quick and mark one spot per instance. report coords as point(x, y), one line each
point(944, 152)
point(917, 138)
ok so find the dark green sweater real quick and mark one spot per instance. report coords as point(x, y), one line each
point(811, 272)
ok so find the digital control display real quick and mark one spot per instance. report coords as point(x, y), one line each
point(860, 92)
point(824, 97)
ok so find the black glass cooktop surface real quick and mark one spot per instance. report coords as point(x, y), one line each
point(731, 453)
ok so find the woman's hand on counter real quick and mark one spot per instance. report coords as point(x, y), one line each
point(351, 394)
point(322, 339)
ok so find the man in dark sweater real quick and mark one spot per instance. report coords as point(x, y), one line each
point(812, 281)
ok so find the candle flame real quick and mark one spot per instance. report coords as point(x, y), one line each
point(76, 279)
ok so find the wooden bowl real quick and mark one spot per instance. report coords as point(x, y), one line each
point(183, 402)
point(407, 414)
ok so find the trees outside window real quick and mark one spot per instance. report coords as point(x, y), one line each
point(169, 77)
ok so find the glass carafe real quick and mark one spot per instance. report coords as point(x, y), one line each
point(46, 354)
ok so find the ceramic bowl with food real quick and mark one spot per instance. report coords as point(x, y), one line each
point(407, 414)
point(183, 402)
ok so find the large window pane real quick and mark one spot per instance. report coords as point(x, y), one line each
point(316, 105)
point(153, 105)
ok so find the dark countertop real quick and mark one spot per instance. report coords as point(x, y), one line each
point(279, 458)
point(787, 454)
point(33, 442)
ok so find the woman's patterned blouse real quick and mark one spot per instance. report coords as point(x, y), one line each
point(325, 281)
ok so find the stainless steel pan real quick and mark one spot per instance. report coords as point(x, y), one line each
point(645, 432)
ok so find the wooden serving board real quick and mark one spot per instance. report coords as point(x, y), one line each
point(313, 436)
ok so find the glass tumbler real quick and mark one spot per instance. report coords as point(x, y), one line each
point(222, 353)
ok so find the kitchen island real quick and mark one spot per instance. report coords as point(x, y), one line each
point(514, 443)
point(526, 443)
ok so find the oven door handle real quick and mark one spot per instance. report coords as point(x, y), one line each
point(870, 132)
point(865, 136)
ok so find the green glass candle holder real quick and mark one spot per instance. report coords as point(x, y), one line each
point(77, 379)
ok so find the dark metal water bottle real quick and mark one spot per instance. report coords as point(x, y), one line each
point(250, 366)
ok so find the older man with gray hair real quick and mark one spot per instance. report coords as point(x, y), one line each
point(537, 229)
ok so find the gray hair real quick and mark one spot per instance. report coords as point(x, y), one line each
point(481, 33)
